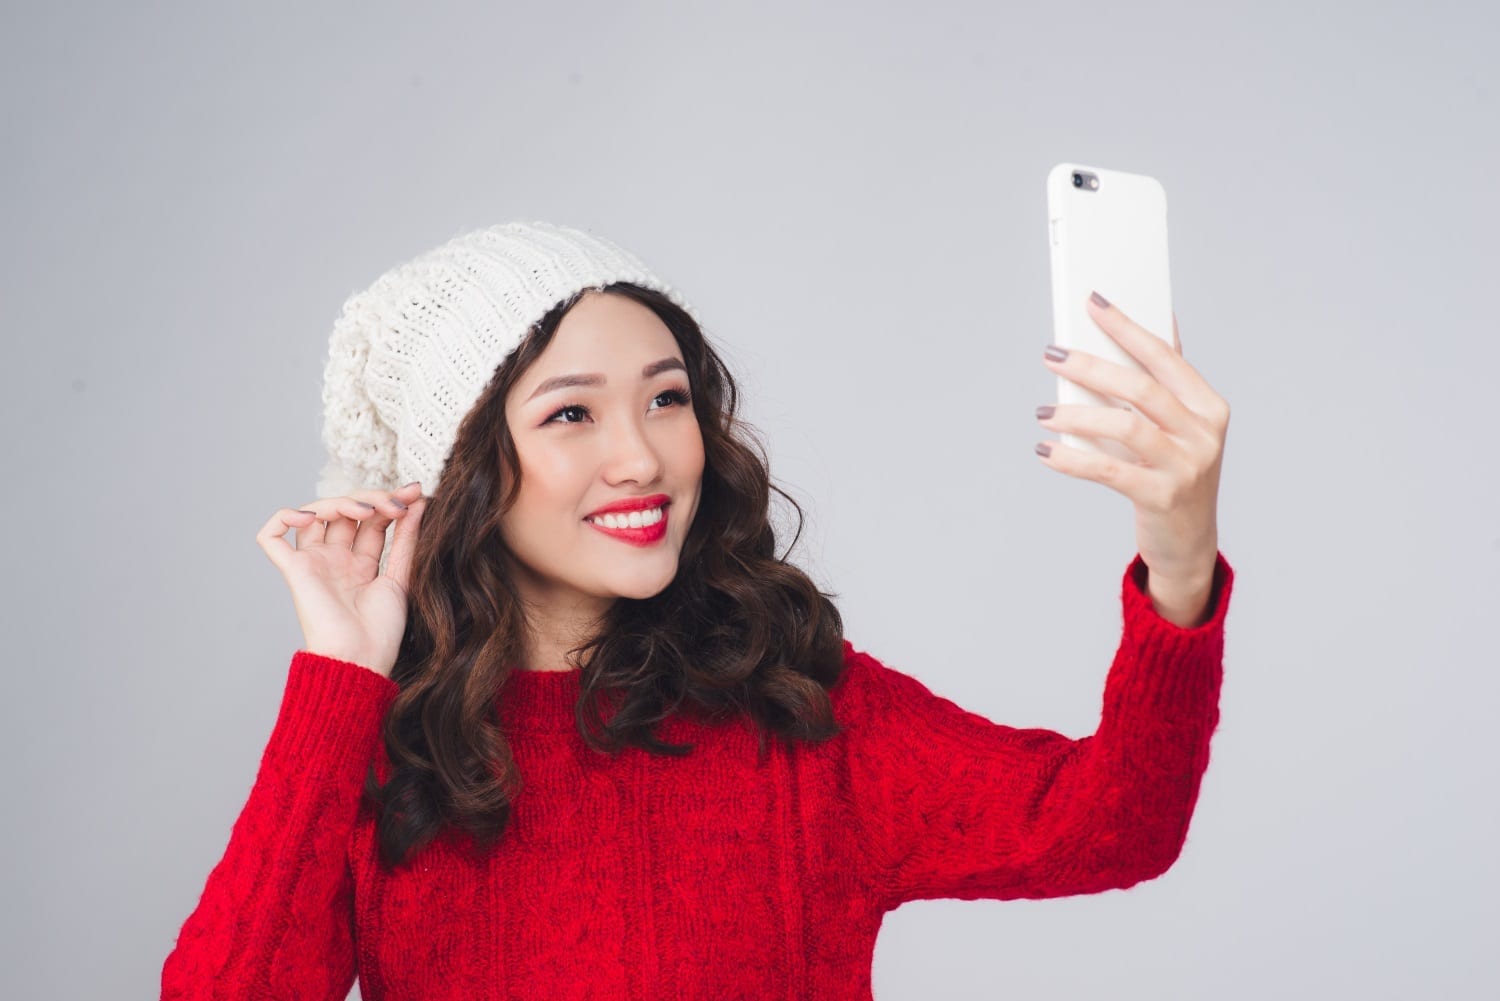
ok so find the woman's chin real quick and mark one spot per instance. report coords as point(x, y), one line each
point(642, 586)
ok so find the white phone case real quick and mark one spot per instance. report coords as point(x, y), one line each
point(1109, 236)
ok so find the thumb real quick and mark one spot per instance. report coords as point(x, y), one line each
point(404, 544)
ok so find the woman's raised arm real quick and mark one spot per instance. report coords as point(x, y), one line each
point(958, 806)
point(276, 916)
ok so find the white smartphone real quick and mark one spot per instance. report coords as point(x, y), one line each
point(1108, 232)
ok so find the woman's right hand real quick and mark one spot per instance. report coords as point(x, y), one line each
point(348, 609)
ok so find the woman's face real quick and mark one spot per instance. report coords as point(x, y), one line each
point(624, 435)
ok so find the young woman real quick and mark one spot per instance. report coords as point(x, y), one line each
point(565, 725)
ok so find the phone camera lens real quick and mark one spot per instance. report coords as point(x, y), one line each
point(1077, 180)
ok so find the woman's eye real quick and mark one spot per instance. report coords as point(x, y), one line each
point(565, 410)
point(678, 397)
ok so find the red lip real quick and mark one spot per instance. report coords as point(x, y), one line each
point(629, 504)
point(646, 535)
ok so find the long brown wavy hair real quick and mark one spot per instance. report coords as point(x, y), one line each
point(739, 630)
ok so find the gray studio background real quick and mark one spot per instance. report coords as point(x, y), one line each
point(852, 195)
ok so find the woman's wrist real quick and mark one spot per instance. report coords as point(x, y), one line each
point(1184, 603)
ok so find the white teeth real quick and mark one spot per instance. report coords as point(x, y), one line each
point(635, 519)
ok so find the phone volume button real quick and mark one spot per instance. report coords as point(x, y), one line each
point(1052, 230)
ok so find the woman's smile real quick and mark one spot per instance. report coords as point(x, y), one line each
point(639, 528)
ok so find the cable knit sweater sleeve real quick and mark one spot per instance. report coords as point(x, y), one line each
point(276, 916)
point(959, 806)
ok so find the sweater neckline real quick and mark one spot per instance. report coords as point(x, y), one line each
point(540, 701)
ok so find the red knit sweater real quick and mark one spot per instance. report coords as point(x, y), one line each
point(706, 876)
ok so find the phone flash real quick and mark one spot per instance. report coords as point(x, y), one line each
point(1085, 179)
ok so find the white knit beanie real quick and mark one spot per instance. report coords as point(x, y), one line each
point(410, 355)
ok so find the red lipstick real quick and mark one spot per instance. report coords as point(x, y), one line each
point(627, 504)
point(645, 535)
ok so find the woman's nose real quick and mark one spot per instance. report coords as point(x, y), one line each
point(631, 453)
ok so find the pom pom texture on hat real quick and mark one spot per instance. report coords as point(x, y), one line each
point(409, 356)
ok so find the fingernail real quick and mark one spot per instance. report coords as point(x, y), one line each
point(1043, 449)
point(398, 503)
point(365, 504)
point(305, 511)
point(1099, 300)
point(1056, 353)
point(412, 484)
point(1043, 413)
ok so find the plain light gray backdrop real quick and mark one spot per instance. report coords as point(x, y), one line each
point(852, 195)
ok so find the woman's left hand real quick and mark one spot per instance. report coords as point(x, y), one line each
point(1178, 433)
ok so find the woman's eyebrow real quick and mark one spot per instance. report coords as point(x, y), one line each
point(596, 379)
